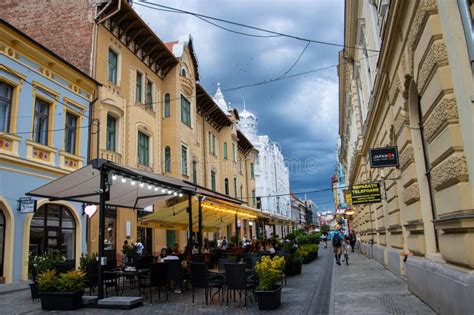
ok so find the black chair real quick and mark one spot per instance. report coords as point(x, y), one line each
point(92, 276)
point(174, 274)
point(222, 262)
point(197, 258)
point(236, 279)
point(200, 279)
point(156, 278)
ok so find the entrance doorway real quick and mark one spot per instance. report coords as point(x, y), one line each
point(145, 235)
point(2, 241)
point(170, 238)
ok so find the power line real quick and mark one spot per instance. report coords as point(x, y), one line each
point(296, 61)
point(156, 5)
point(209, 22)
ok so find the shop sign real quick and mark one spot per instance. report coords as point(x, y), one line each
point(365, 193)
point(384, 157)
point(27, 205)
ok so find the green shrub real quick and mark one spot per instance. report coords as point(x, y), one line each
point(87, 260)
point(269, 271)
point(42, 263)
point(71, 281)
point(48, 281)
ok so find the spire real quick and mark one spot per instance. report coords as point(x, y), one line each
point(244, 102)
point(220, 100)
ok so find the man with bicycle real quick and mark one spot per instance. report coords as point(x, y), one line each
point(337, 241)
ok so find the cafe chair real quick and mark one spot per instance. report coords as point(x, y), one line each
point(237, 280)
point(156, 278)
point(200, 279)
point(174, 274)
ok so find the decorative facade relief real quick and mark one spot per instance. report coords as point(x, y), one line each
point(437, 56)
point(394, 90)
point(411, 194)
point(445, 112)
point(449, 172)
point(407, 157)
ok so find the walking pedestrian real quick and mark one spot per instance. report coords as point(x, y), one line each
point(337, 240)
point(352, 239)
point(324, 237)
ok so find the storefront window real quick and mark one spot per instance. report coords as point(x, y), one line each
point(53, 229)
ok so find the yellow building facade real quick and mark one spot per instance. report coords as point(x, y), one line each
point(409, 83)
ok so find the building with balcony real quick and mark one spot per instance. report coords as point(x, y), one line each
point(406, 80)
point(44, 120)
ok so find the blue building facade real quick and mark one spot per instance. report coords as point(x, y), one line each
point(44, 110)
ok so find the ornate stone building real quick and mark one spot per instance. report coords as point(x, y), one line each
point(271, 173)
point(406, 80)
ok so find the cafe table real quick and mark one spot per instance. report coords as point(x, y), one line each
point(132, 275)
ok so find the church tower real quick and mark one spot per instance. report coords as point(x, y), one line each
point(220, 100)
point(248, 124)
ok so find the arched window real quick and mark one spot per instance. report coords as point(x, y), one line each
point(167, 107)
point(53, 229)
point(226, 186)
point(167, 159)
point(184, 71)
point(2, 241)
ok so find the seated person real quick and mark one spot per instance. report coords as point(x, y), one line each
point(163, 254)
point(176, 249)
point(170, 255)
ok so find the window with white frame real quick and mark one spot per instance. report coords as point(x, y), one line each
point(167, 106)
point(113, 66)
point(111, 134)
point(234, 152)
point(149, 94)
point(70, 133)
point(143, 149)
point(167, 159)
point(184, 160)
point(139, 87)
point(185, 111)
point(41, 122)
point(6, 96)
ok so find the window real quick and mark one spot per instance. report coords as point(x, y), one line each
point(234, 153)
point(113, 66)
point(139, 87)
point(53, 229)
point(212, 143)
point(195, 172)
point(254, 197)
point(185, 111)
point(184, 160)
point(240, 166)
point(5, 106)
point(167, 109)
point(225, 150)
point(149, 94)
point(70, 133)
point(235, 187)
point(213, 180)
point(241, 192)
point(143, 149)
point(167, 159)
point(252, 170)
point(41, 122)
point(226, 186)
point(111, 133)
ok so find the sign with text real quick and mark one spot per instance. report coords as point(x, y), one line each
point(365, 193)
point(27, 205)
point(384, 157)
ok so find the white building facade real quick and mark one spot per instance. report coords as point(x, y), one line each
point(271, 175)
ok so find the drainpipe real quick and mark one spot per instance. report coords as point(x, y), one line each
point(204, 151)
point(427, 170)
point(89, 133)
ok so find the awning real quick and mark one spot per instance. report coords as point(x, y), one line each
point(215, 214)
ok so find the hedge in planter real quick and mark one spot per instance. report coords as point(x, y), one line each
point(61, 292)
point(269, 271)
point(308, 252)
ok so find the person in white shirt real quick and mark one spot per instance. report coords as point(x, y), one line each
point(170, 255)
point(139, 246)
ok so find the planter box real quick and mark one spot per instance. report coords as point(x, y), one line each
point(269, 300)
point(64, 301)
point(298, 267)
point(34, 291)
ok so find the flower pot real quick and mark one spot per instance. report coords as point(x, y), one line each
point(64, 301)
point(34, 291)
point(269, 300)
point(298, 267)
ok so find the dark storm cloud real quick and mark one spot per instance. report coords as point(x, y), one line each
point(298, 113)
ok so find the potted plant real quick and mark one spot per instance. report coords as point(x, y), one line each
point(269, 272)
point(298, 262)
point(61, 292)
point(39, 264)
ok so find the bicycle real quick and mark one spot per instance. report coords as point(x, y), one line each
point(345, 253)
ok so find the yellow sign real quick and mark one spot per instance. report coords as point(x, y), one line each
point(365, 193)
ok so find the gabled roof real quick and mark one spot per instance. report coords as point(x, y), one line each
point(208, 108)
point(132, 26)
point(177, 48)
point(244, 145)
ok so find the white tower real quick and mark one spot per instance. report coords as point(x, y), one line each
point(248, 125)
point(220, 100)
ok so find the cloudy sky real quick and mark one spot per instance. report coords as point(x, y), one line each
point(300, 113)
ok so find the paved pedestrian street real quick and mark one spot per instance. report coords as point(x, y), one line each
point(363, 287)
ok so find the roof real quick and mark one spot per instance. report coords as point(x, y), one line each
point(207, 108)
point(177, 48)
point(246, 114)
point(243, 143)
point(52, 53)
point(134, 28)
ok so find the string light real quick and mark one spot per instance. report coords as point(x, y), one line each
point(229, 211)
point(149, 187)
point(163, 190)
point(156, 188)
point(133, 183)
point(114, 177)
point(142, 184)
point(124, 180)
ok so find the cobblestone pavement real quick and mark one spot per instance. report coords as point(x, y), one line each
point(365, 287)
point(308, 293)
